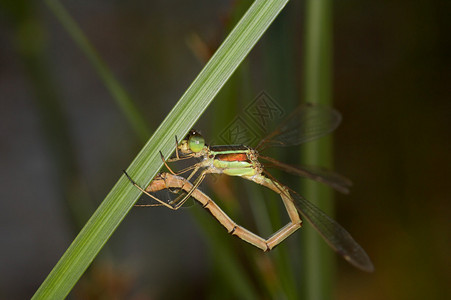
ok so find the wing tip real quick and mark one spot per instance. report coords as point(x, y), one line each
point(364, 263)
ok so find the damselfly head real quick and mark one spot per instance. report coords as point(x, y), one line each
point(193, 143)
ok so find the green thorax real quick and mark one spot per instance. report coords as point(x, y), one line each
point(234, 160)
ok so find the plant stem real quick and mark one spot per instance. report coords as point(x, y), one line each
point(319, 262)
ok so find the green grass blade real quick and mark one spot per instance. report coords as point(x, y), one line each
point(115, 88)
point(123, 195)
point(318, 258)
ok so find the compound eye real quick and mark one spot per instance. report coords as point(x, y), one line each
point(196, 142)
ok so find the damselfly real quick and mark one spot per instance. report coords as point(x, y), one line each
point(306, 123)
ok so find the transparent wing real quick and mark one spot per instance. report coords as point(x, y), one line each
point(306, 123)
point(330, 178)
point(332, 232)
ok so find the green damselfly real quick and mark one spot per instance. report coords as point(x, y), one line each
point(306, 123)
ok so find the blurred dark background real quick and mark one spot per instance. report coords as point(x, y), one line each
point(64, 141)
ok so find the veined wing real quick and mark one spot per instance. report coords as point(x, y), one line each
point(306, 123)
point(330, 178)
point(332, 232)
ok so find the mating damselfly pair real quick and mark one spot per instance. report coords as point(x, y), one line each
point(308, 122)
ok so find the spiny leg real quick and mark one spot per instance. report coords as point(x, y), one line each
point(176, 147)
point(180, 183)
point(167, 181)
point(148, 205)
point(176, 158)
point(176, 153)
point(183, 198)
point(194, 167)
point(165, 161)
point(161, 203)
point(194, 187)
